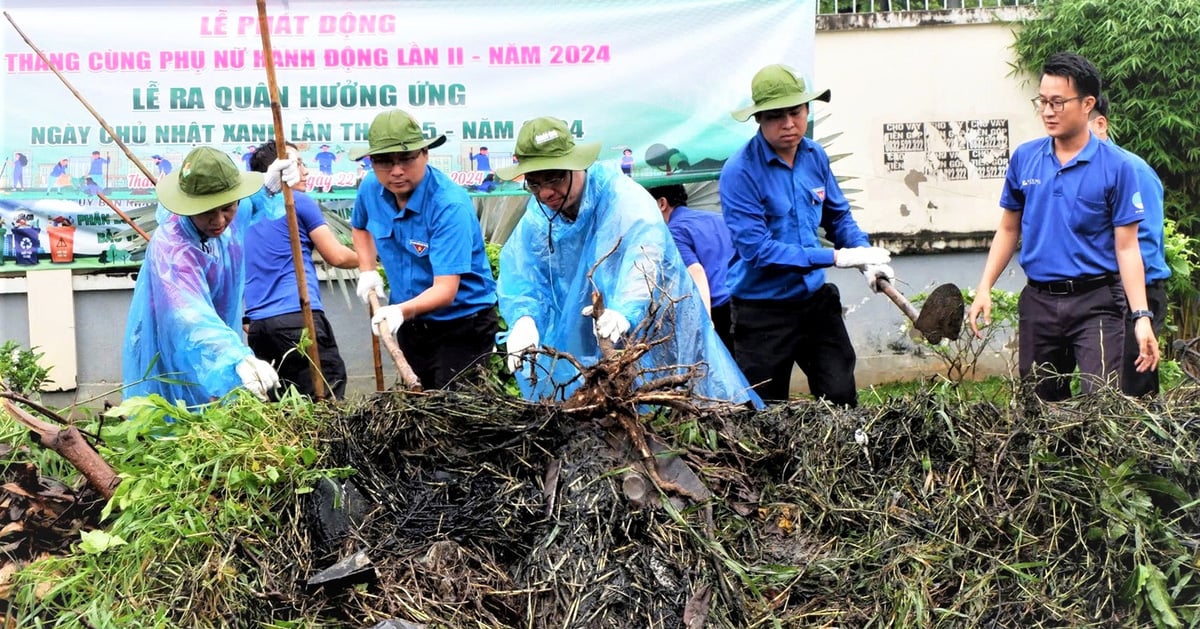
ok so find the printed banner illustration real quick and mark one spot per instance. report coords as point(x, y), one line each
point(653, 81)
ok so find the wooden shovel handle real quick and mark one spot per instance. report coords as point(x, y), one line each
point(407, 375)
point(897, 298)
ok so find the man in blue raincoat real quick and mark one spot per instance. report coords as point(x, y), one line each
point(185, 317)
point(581, 217)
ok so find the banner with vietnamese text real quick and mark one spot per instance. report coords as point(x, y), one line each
point(654, 82)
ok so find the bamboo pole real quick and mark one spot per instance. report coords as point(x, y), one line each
point(378, 360)
point(125, 217)
point(112, 134)
point(318, 379)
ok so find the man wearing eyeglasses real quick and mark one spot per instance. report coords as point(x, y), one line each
point(1154, 259)
point(776, 191)
point(589, 228)
point(1074, 204)
point(424, 229)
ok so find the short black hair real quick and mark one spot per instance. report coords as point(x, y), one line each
point(1101, 108)
point(264, 156)
point(1078, 69)
point(673, 193)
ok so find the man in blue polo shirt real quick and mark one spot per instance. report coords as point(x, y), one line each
point(1154, 258)
point(96, 168)
point(325, 159)
point(706, 249)
point(275, 319)
point(483, 163)
point(163, 164)
point(776, 191)
point(1073, 203)
point(425, 231)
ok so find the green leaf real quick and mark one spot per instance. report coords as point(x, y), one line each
point(96, 542)
point(1161, 605)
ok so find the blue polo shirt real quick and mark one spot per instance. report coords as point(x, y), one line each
point(1069, 210)
point(97, 167)
point(703, 237)
point(773, 212)
point(437, 233)
point(270, 274)
point(325, 160)
point(1150, 230)
point(482, 162)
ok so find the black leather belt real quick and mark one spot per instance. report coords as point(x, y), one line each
point(1076, 285)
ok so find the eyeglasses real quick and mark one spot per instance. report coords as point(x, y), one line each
point(390, 160)
point(550, 182)
point(1055, 105)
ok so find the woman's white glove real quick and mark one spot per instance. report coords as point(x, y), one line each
point(861, 257)
point(258, 376)
point(522, 336)
point(392, 314)
point(369, 281)
point(876, 272)
point(286, 169)
point(611, 324)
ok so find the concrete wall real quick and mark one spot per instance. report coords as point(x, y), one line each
point(927, 112)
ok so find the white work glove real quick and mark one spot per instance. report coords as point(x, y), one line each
point(611, 324)
point(285, 169)
point(392, 314)
point(861, 257)
point(876, 272)
point(369, 281)
point(258, 376)
point(522, 336)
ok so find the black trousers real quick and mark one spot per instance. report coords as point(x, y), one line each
point(1146, 383)
point(1058, 332)
point(722, 318)
point(439, 351)
point(276, 341)
point(770, 336)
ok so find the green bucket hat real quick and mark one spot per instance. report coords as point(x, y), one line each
point(546, 144)
point(777, 87)
point(206, 180)
point(395, 131)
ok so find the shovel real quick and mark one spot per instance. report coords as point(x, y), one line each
point(940, 318)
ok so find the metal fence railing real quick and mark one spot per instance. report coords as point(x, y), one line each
point(825, 7)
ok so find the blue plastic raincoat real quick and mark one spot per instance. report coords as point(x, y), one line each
point(187, 308)
point(543, 274)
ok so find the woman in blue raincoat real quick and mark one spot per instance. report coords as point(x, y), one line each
point(183, 339)
point(580, 214)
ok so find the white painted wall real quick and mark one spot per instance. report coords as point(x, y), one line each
point(948, 94)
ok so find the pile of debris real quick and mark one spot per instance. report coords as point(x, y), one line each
point(474, 509)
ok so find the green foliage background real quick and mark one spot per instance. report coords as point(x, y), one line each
point(1147, 52)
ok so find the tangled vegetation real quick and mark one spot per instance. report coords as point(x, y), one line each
point(479, 510)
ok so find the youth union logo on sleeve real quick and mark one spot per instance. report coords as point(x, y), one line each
point(820, 192)
point(419, 246)
point(1137, 201)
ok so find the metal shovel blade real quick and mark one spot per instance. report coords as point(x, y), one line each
point(942, 314)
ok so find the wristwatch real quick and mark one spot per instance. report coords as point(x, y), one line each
point(1138, 314)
